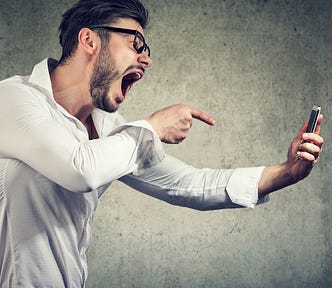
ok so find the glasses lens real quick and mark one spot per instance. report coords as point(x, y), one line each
point(140, 45)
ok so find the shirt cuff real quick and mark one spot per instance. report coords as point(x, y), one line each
point(242, 187)
point(150, 149)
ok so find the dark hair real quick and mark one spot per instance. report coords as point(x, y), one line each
point(87, 13)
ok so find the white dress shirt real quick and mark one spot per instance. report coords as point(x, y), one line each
point(52, 175)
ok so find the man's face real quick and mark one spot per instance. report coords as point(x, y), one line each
point(117, 68)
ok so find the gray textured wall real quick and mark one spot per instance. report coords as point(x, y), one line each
point(257, 67)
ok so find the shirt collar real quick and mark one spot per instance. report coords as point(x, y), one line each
point(40, 75)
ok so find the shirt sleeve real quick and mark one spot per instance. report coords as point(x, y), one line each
point(242, 186)
point(30, 133)
point(180, 184)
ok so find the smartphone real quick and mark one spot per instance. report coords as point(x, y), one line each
point(313, 119)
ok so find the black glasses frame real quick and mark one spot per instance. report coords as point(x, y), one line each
point(139, 50)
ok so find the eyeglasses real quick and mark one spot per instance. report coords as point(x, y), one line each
point(139, 43)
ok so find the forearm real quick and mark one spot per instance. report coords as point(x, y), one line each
point(274, 178)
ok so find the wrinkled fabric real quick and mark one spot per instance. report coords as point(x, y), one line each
point(52, 175)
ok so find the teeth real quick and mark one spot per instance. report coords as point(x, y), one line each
point(138, 76)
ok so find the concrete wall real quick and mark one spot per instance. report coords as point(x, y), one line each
point(257, 67)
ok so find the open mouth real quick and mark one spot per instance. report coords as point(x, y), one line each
point(128, 81)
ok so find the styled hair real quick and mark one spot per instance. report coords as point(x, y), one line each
point(87, 13)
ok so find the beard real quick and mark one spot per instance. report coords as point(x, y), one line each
point(103, 76)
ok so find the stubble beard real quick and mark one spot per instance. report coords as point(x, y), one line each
point(103, 75)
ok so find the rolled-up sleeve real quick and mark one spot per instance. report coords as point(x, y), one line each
point(242, 187)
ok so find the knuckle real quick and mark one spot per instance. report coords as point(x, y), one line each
point(182, 107)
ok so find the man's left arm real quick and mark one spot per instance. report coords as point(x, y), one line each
point(180, 184)
point(172, 125)
point(204, 189)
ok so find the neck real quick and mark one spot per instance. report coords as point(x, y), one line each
point(72, 90)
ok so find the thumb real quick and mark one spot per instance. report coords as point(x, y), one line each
point(302, 130)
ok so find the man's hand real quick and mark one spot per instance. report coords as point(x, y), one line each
point(172, 123)
point(303, 154)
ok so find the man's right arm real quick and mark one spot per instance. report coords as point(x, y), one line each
point(31, 134)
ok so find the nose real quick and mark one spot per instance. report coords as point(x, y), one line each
point(144, 60)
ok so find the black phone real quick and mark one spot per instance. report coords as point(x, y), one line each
point(313, 119)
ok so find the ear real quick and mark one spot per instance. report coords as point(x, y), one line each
point(88, 41)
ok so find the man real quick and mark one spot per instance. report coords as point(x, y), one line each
point(63, 142)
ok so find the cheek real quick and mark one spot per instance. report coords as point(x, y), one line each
point(124, 59)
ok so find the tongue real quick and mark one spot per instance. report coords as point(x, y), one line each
point(125, 86)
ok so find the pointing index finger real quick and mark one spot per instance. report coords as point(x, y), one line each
point(200, 115)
